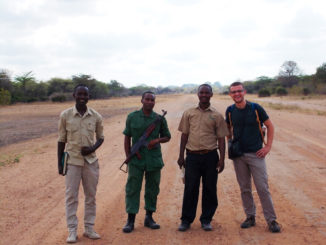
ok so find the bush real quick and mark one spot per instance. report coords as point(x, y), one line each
point(264, 93)
point(5, 97)
point(281, 91)
point(306, 91)
point(59, 98)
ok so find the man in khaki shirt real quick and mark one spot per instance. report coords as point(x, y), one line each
point(201, 127)
point(77, 127)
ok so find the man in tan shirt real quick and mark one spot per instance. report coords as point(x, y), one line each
point(77, 127)
point(201, 127)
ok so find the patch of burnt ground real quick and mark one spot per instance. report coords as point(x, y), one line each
point(15, 131)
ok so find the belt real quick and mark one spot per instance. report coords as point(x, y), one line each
point(201, 152)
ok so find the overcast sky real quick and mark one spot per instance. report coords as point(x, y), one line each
point(161, 42)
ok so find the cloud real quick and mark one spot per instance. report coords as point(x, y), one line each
point(163, 41)
point(306, 24)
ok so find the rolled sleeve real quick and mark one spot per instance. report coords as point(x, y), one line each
point(62, 129)
point(99, 129)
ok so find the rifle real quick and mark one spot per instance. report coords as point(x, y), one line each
point(142, 141)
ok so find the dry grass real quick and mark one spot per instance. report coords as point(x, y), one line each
point(8, 159)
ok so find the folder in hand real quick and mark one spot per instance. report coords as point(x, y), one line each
point(64, 161)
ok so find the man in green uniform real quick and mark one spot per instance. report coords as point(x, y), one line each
point(149, 164)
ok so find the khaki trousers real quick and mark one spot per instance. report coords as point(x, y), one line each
point(250, 165)
point(88, 175)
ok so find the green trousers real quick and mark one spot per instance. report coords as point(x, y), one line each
point(133, 188)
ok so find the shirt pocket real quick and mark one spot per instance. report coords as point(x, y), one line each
point(136, 128)
point(91, 129)
point(91, 126)
point(72, 130)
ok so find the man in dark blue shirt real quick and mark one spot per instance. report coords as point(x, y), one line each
point(242, 120)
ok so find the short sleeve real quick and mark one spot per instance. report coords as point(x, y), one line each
point(184, 123)
point(62, 129)
point(127, 130)
point(262, 113)
point(222, 129)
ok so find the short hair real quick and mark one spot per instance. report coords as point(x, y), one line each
point(205, 85)
point(80, 85)
point(236, 84)
point(147, 92)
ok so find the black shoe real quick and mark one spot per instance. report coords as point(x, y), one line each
point(150, 223)
point(250, 221)
point(206, 227)
point(129, 227)
point(184, 226)
point(274, 227)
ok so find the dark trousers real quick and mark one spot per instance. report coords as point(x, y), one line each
point(198, 166)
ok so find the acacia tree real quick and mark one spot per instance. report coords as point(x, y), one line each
point(289, 73)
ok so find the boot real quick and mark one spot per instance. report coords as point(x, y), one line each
point(130, 224)
point(149, 222)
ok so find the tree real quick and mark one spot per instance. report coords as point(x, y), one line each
point(59, 85)
point(117, 89)
point(19, 93)
point(27, 77)
point(289, 68)
point(289, 73)
point(5, 97)
point(321, 72)
point(5, 80)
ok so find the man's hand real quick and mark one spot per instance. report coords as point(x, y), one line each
point(86, 150)
point(181, 162)
point(153, 143)
point(263, 151)
point(220, 166)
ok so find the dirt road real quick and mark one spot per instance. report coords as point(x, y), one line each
point(32, 193)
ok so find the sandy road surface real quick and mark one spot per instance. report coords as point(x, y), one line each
point(32, 193)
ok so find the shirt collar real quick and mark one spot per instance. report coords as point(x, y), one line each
point(75, 112)
point(150, 115)
point(207, 109)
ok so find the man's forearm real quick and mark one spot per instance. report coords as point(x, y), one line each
point(221, 147)
point(163, 140)
point(98, 143)
point(127, 145)
point(270, 132)
point(183, 143)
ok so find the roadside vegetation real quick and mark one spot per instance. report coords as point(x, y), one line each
point(26, 88)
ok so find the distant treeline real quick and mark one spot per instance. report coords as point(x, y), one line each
point(26, 88)
point(289, 81)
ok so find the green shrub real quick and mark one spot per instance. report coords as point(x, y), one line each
point(264, 93)
point(281, 91)
point(5, 97)
point(59, 98)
